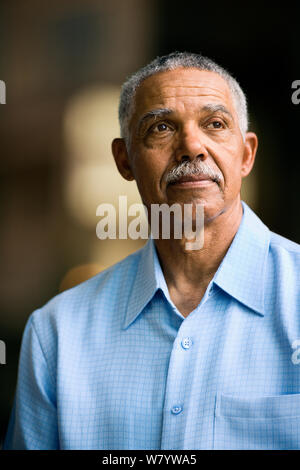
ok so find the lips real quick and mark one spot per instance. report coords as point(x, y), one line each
point(192, 179)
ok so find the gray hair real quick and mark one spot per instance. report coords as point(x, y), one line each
point(174, 61)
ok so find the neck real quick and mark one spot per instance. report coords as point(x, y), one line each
point(188, 273)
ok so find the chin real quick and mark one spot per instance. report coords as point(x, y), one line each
point(212, 209)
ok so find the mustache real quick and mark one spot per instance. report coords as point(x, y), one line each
point(187, 168)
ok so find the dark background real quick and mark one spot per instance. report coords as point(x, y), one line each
point(49, 53)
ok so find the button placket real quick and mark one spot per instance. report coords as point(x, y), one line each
point(179, 366)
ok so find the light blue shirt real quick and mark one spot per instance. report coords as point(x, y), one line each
point(112, 364)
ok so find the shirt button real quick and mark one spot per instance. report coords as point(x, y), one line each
point(186, 343)
point(176, 409)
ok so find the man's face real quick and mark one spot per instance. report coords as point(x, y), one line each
point(188, 115)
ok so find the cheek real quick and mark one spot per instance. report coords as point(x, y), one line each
point(149, 164)
point(229, 161)
point(148, 169)
point(232, 177)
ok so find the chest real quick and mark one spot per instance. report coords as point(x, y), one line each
point(161, 383)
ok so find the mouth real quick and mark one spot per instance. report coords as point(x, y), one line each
point(193, 180)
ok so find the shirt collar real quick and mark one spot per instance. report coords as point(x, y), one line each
point(149, 278)
point(242, 271)
point(240, 274)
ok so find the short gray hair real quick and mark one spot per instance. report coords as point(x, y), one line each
point(174, 61)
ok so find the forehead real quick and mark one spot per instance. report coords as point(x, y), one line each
point(182, 84)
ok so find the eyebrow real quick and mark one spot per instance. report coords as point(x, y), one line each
point(214, 108)
point(161, 112)
point(154, 113)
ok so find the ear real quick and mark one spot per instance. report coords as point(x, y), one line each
point(120, 154)
point(251, 144)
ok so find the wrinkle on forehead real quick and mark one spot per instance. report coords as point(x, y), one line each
point(184, 84)
point(191, 94)
point(184, 90)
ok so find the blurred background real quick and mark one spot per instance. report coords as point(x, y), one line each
point(63, 63)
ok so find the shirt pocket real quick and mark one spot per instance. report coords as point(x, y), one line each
point(268, 422)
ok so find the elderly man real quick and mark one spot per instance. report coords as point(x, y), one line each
point(174, 348)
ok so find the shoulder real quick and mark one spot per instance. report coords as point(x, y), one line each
point(279, 242)
point(284, 249)
point(99, 298)
point(284, 264)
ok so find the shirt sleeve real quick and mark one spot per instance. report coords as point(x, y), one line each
point(33, 420)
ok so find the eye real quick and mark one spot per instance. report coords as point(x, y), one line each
point(160, 128)
point(216, 125)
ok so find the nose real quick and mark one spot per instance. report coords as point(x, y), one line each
point(190, 144)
